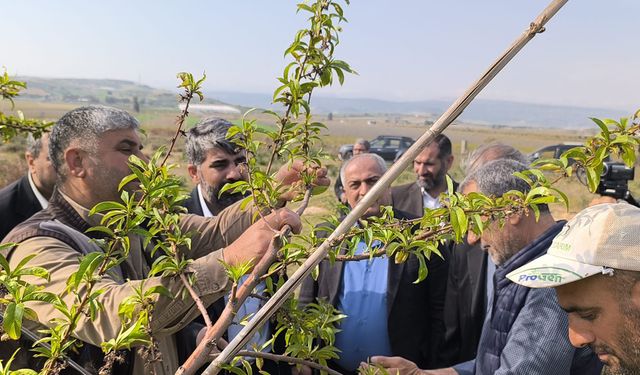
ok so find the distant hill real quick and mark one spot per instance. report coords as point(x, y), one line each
point(481, 111)
point(484, 112)
point(98, 91)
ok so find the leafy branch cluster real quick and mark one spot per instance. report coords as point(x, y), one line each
point(11, 126)
point(619, 139)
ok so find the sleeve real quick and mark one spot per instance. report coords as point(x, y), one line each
point(308, 291)
point(212, 233)
point(466, 368)
point(438, 270)
point(537, 343)
point(170, 314)
point(448, 353)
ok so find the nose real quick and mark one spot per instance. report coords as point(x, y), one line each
point(579, 336)
point(234, 173)
point(364, 189)
point(142, 156)
point(472, 238)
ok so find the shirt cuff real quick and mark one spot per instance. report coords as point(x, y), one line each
point(466, 368)
point(209, 275)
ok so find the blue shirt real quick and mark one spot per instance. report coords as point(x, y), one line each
point(491, 269)
point(363, 298)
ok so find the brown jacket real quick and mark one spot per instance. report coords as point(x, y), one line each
point(209, 237)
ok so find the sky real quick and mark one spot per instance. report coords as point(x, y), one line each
point(403, 50)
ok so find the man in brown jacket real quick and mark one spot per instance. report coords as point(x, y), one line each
point(89, 148)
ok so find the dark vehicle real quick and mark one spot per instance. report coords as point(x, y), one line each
point(390, 147)
point(553, 151)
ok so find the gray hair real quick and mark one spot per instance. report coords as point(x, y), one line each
point(363, 142)
point(85, 124)
point(34, 146)
point(496, 177)
point(208, 134)
point(491, 151)
point(381, 163)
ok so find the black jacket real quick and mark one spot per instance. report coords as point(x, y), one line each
point(193, 206)
point(408, 198)
point(465, 304)
point(17, 204)
point(415, 320)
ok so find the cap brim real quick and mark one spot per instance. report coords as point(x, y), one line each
point(549, 271)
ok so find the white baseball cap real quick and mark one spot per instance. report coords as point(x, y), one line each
point(597, 240)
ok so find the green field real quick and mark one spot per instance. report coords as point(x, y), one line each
point(159, 125)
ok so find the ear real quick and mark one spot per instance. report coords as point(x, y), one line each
point(448, 162)
point(193, 172)
point(516, 219)
point(75, 159)
point(30, 160)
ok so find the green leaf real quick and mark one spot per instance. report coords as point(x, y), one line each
point(88, 264)
point(12, 323)
point(602, 126)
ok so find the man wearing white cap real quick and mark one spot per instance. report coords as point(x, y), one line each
point(594, 265)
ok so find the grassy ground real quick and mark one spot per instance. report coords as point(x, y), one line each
point(159, 125)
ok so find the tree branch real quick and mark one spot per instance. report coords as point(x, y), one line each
point(284, 358)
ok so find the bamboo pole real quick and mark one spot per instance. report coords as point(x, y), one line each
point(537, 26)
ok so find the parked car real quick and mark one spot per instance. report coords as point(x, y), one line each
point(390, 147)
point(553, 151)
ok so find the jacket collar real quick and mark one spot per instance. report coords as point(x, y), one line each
point(528, 253)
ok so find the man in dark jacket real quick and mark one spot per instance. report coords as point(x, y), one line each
point(431, 167)
point(29, 194)
point(470, 277)
point(214, 160)
point(388, 314)
point(524, 329)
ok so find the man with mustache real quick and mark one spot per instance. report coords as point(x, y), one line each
point(213, 162)
point(594, 266)
point(431, 167)
point(90, 149)
point(387, 312)
point(522, 332)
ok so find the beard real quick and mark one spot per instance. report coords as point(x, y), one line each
point(212, 194)
point(429, 181)
point(627, 360)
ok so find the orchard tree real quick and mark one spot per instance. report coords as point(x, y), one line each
point(309, 332)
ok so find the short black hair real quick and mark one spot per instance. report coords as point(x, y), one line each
point(444, 145)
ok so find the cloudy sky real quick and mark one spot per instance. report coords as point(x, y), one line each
point(402, 49)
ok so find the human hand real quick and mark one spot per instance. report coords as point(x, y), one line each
point(254, 242)
point(394, 365)
point(290, 177)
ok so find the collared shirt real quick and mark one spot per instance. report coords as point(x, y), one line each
point(250, 306)
point(41, 199)
point(428, 201)
point(363, 298)
point(206, 212)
